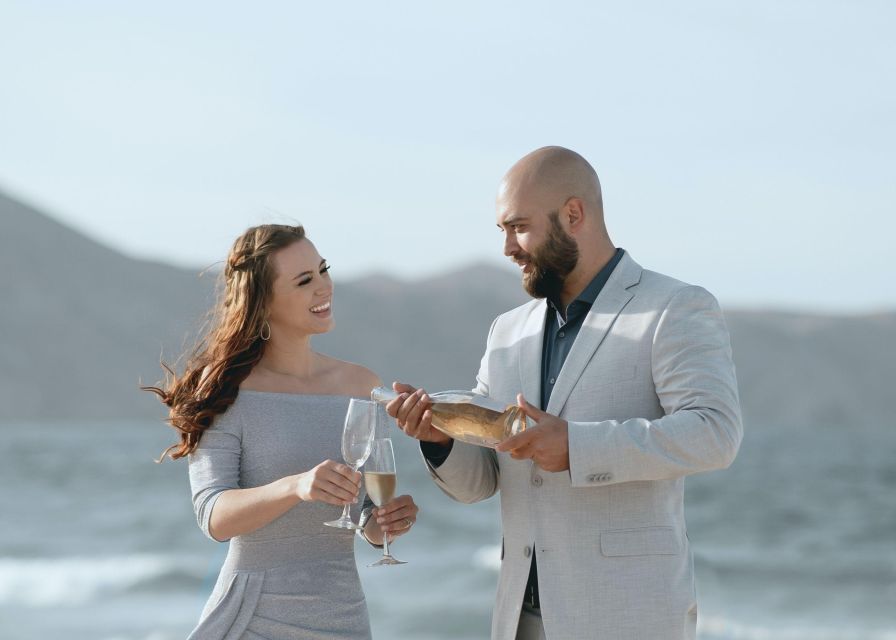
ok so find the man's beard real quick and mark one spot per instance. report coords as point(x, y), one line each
point(551, 262)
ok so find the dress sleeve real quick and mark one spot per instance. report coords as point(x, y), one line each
point(215, 466)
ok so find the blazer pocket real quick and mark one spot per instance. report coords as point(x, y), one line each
point(647, 541)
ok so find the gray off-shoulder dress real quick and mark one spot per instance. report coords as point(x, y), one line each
point(295, 577)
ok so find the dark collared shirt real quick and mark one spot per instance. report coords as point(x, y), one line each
point(561, 326)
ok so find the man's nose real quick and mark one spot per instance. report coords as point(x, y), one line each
point(510, 244)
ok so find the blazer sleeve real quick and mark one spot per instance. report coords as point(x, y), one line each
point(701, 429)
point(469, 473)
point(215, 466)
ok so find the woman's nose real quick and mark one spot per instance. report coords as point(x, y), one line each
point(325, 289)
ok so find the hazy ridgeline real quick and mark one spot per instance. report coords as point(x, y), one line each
point(794, 542)
point(83, 324)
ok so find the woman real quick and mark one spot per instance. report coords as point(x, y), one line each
point(260, 416)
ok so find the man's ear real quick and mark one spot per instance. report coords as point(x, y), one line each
point(574, 212)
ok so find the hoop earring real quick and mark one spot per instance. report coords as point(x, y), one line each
point(262, 335)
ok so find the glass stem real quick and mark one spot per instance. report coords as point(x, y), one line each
point(386, 553)
point(345, 509)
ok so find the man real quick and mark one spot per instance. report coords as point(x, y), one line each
point(628, 376)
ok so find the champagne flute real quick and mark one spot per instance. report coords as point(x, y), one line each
point(380, 480)
point(357, 438)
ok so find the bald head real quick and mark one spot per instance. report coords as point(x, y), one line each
point(551, 212)
point(550, 176)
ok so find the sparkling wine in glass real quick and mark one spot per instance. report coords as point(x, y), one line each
point(357, 438)
point(380, 480)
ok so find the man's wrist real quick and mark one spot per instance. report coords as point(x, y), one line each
point(436, 453)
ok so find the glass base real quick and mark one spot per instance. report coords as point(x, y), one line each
point(343, 523)
point(385, 560)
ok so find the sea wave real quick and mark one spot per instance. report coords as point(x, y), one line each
point(75, 580)
point(716, 628)
point(488, 557)
point(152, 636)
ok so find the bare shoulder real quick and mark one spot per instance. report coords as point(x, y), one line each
point(352, 379)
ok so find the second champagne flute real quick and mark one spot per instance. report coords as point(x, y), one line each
point(357, 437)
point(380, 480)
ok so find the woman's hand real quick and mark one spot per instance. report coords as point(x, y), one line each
point(330, 482)
point(396, 517)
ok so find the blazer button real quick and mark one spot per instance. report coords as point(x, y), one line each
point(591, 478)
point(527, 551)
point(537, 480)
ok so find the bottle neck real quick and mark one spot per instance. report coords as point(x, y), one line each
point(383, 395)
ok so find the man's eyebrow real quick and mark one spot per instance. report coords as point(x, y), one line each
point(512, 219)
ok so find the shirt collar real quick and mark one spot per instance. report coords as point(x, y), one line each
point(589, 294)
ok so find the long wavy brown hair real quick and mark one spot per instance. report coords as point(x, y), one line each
point(233, 343)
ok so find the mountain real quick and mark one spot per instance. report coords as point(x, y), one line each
point(808, 369)
point(81, 326)
point(80, 323)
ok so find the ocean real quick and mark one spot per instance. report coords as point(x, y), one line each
point(796, 541)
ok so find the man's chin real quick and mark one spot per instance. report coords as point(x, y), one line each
point(532, 286)
point(542, 285)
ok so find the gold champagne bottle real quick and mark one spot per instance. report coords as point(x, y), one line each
point(468, 417)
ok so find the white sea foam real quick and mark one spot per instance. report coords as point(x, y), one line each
point(488, 557)
point(46, 582)
point(716, 628)
point(151, 636)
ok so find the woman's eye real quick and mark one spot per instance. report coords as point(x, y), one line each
point(325, 269)
point(304, 282)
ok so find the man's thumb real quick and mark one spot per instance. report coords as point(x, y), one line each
point(529, 409)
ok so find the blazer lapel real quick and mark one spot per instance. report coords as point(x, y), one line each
point(531, 341)
point(609, 304)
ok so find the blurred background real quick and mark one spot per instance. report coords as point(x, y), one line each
point(745, 147)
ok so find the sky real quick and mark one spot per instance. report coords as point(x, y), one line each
point(748, 147)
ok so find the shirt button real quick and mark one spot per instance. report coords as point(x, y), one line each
point(527, 551)
point(537, 480)
point(551, 380)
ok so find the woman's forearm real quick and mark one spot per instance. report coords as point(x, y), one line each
point(241, 511)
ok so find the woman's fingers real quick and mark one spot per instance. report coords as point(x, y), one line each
point(331, 493)
point(398, 515)
point(401, 502)
point(337, 482)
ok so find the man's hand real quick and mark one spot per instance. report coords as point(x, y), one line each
point(547, 443)
point(411, 410)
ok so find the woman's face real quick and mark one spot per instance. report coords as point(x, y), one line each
point(302, 291)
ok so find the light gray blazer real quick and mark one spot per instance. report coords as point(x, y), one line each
point(650, 395)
